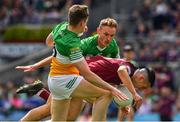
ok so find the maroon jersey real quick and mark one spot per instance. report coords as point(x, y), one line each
point(107, 68)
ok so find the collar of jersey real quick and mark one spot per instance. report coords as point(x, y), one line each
point(100, 49)
point(68, 31)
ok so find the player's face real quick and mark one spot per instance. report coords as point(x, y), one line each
point(139, 80)
point(143, 85)
point(105, 35)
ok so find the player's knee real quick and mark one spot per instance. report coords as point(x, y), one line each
point(106, 94)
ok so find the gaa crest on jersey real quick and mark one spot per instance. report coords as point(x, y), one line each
point(74, 50)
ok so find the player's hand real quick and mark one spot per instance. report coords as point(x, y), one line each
point(28, 68)
point(119, 94)
point(137, 100)
point(126, 110)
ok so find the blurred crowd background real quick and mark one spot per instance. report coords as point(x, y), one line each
point(152, 27)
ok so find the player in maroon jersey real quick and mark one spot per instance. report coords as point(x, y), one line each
point(114, 71)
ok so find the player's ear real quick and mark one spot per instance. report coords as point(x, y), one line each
point(81, 23)
point(98, 29)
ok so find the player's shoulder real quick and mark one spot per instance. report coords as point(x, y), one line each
point(113, 44)
point(68, 39)
point(114, 41)
point(58, 30)
point(61, 26)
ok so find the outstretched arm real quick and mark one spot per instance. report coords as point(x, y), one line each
point(124, 76)
point(46, 61)
point(96, 80)
point(33, 67)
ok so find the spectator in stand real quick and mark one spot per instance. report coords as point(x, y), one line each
point(16, 102)
point(177, 105)
point(173, 53)
point(164, 76)
point(122, 33)
point(146, 11)
point(160, 11)
point(31, 16)
point(4, 18)
point(18, 12)
point(165, 103)
point(141, 30)
point(146, 106)
point(4, 103)
point(145, 54)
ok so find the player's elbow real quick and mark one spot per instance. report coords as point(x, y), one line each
point(49, 40)
point(86, 73)
point(49, 43)
point(121, 69)
point(122, 72)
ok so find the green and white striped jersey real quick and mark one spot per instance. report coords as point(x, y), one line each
point(67, 44)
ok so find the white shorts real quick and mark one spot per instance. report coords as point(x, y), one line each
point(61, 87)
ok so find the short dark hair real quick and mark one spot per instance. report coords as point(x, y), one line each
point(151, 75)
point(77, 13)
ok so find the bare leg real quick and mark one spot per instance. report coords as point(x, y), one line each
point(59, 109)
point(38, 113)
point(75, 108)
point(101, 104)
point(87, 90)
point(121, 115)
point(129, 116)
